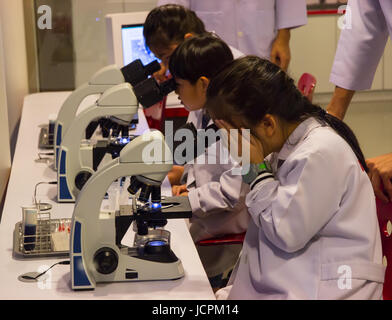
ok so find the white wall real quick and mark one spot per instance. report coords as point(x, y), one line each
point(89, 33)
point(5, 155)
point(15, 62)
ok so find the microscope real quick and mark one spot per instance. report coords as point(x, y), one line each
point(104, 79)
point(77, 161)
point(96, 252)
point(76, 158)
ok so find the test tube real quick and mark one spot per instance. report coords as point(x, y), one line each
point(29, 227)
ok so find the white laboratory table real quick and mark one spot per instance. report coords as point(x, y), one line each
point(26, 173)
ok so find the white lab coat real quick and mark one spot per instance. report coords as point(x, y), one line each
point(248, 25)
point(313, 232)
point(361, 47)
point(217, 198)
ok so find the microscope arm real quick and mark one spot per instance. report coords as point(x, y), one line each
point(99, 83)
point(118, 101)
point(70, 161)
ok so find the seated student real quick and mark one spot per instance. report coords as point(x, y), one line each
point(313, 232)
point(216, 192)
point(165, 28)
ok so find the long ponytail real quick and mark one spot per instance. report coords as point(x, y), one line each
point(250, 87)
point(342, 129)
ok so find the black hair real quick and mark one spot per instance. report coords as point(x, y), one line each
point(251, 87)
point(203, 55)
point(169, 24)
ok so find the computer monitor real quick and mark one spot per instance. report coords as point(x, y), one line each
point(125, 38)
point(133, 45)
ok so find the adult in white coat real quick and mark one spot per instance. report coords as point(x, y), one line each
point(361, 46)
point(314, 231)
point(259, 27)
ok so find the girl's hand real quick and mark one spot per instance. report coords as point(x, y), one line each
point(178, 190)
point(380, 174)
point(175, 174)
point(244, 140)
point(280, 52)
point(160, 75)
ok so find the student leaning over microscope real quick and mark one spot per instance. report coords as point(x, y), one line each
point(313, 232)
point(174, 33)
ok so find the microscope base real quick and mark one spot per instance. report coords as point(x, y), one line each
point(126, 268)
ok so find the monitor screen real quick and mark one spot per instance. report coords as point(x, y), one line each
point(134, 46)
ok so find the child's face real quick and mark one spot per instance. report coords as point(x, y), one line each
point(164, 53)
point(192, 96)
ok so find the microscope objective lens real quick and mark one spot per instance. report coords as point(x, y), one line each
point(157, 243)
point(145, 193)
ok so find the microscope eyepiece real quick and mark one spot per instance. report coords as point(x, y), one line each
point(136, 72)
point(151, 68)
point(168, 87)
point(149, 92)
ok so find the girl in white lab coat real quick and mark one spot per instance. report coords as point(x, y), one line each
point(165, 28)
point(216, 193)
point(313, 232)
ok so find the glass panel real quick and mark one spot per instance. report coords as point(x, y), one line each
point(55, 47)
point(89, 32)
point(75, 48)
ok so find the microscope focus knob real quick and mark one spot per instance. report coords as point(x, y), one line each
point(106, 260)
point(82, 178)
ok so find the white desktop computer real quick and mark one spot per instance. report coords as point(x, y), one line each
point(126, 43)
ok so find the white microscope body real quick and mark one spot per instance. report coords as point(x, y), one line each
point(74, 159)
point(101, 81)
point(96, 256)
point(134, 73)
